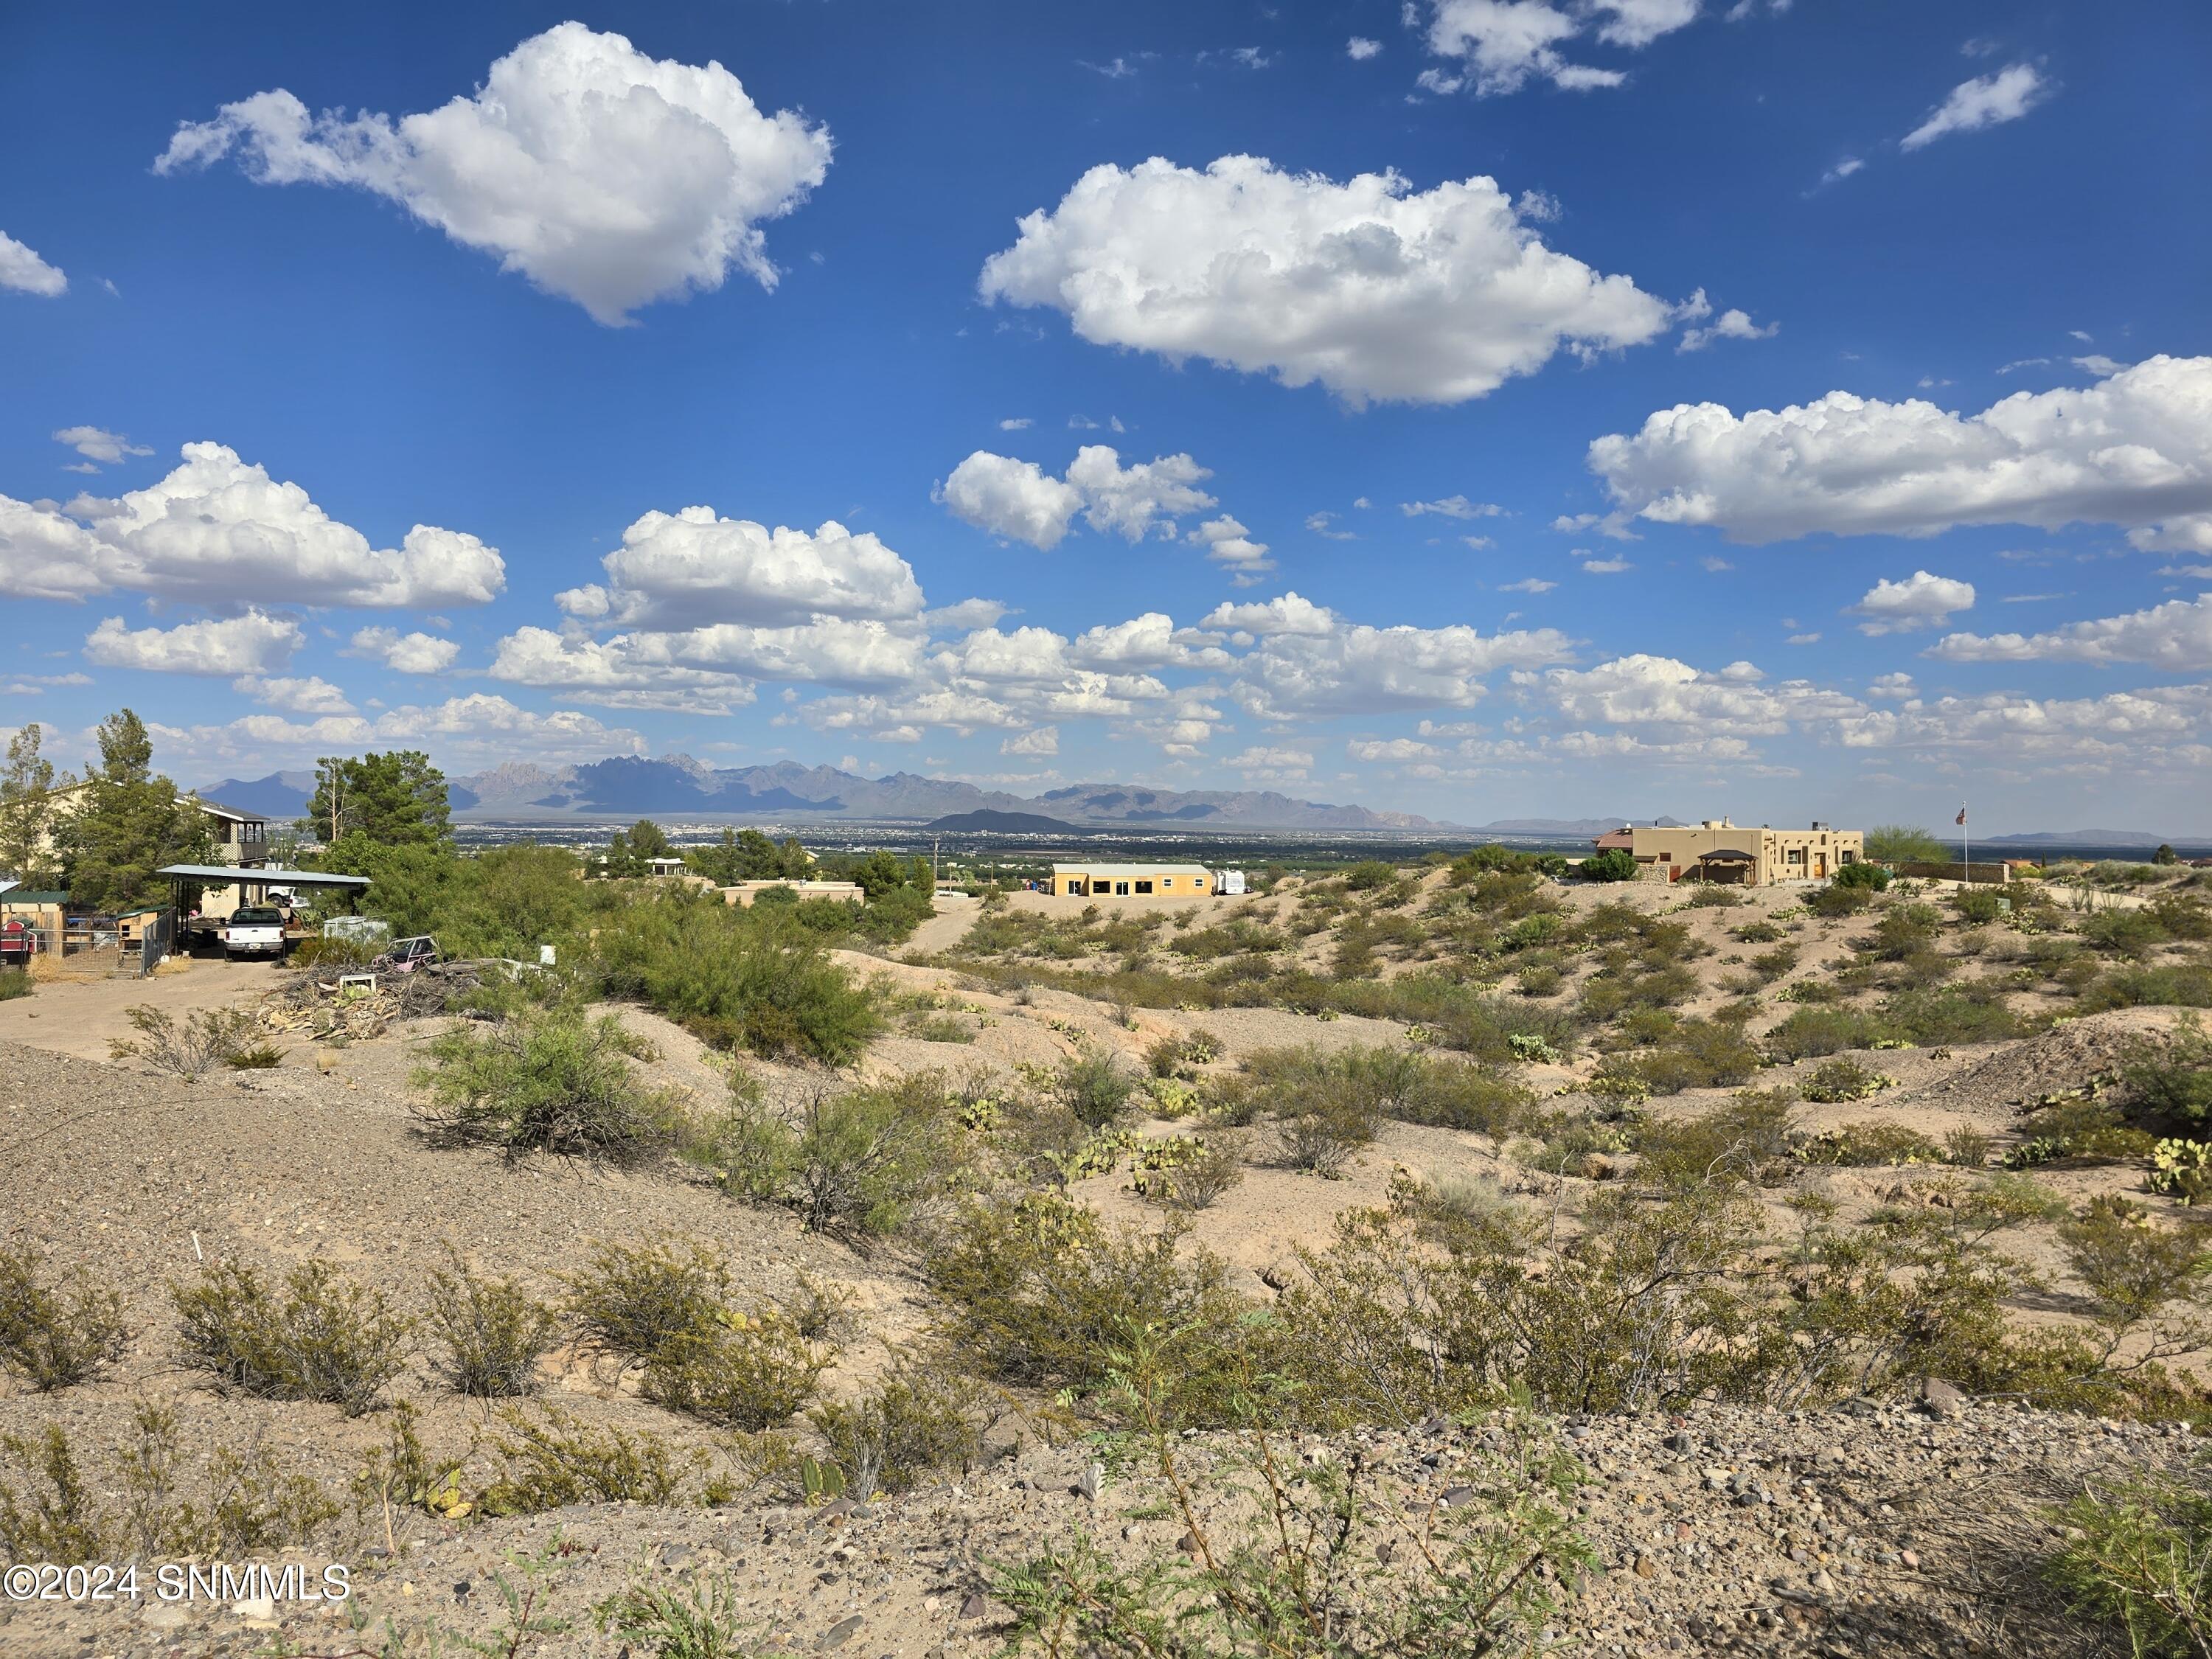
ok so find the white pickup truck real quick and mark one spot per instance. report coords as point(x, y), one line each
point(255, 931)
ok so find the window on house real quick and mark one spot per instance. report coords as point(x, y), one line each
point(1120, 889)
point(1143, 887)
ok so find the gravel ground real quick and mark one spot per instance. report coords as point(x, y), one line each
point(1898, 1532)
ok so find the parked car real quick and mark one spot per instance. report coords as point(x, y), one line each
point(256, 930)
point(406, 955)
point(19, 943)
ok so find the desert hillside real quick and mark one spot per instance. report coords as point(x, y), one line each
point(1610, 1267)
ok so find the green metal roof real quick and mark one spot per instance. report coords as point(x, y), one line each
point(17, 896)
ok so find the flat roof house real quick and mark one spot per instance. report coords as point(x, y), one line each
point(1131, 880)
point(1720, 850)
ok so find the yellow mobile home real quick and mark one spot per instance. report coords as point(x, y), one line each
point(1131, 880)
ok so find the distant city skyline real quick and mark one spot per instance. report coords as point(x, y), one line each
point(1479, 411)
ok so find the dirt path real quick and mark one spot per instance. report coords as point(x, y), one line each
point(80, 1016)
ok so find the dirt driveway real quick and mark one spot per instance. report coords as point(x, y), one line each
point(72, 1015)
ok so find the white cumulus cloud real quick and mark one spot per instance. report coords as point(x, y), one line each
point(1020, 501)
point(601, 174)
point(1921, 601)
point(252, 643)
point(2135, 449)
point(2176, 636)
point(1359, 48)
point(1987, 100)
point(312, 695)
point(1505, 43)
point(23, 271)
point(1045, 740)
point(694, 568)
point(1378, 291)
point(96, 444)
point(219, 531)
point(405, 653)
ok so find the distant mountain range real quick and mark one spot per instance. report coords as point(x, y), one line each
point(679, 786)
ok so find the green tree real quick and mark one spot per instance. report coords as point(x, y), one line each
point(1905, 843)
point(629, 850)
point(2165, 854)
point(395, 799)
point(129, 822)
point(26, 804)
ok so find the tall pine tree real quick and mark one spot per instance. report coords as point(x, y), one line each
point(129, 822)
point(395, 799)
point(26, 806)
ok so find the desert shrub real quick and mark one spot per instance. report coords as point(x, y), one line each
point(248, 1502)
point(552, 1082)
point(255, 1057)
point(1043, 1293)
point(1967, 1147)
point(2130, 933)
point(1296, 1571)
point(941, 1028)
point(55, 1332)
point(1976, 905)
point(737, 980)
point(2134, 1268)
point(1960, 1014)
point(1540, 979)
point(1697, 1054)
point(1179, 1056)
point(2137, 1554)
point(1757, 933)
point(14, 983)
point(2183, 916)
point(321, 1339)
point(493, 1331)
point(2077, 1128)
point(2172, 1079)
point(1857, 1146)
point(917, 1420)
point(207, 1038)
point(1872, 877)
point(1321, 1135)
point(554, 1460)
point(1750, 1136)
point(1188, 1172)
point(1094, 1086)
point(700, 1620)
point(1811, 1033)
point(1837, 899)
point(636, 1298)
point(857, 1165)
point(2178, 985)
point(1368, 875)
point(1836, 1081)
point(1614, 863)
point(746, 1371)
point(1902, 930)
point(1710, 895)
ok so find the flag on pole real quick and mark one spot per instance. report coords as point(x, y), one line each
point(1961, 819)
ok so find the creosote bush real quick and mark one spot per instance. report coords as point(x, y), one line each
point(860, 1164)
point(208, 1037)
point(55, 1330)
point(493, 1331)
point(248, 1502)
point(917, 1420)
point(320, 1338)
point(553, 1459)
point(552, 1082)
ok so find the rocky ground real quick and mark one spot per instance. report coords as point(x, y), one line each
point(1856, 1532)
point(1906, 1530)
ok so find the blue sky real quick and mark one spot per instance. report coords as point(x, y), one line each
point(1499, 407)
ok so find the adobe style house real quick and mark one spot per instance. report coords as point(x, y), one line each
point(1131, 880)
point(1720, 850)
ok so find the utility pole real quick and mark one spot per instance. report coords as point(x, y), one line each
point(933, 861)
point(1966, 863)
